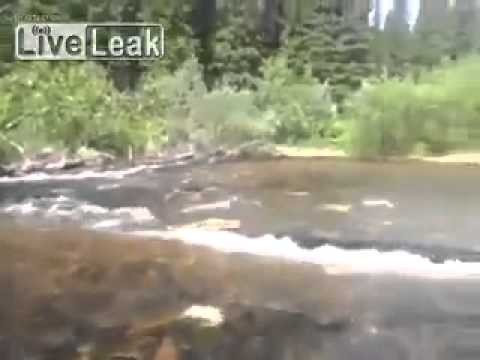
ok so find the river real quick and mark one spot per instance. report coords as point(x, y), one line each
point(404, 234)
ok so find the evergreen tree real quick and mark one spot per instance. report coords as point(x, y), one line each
point(180, 43)
point(7, 11)
point(398, 44)
point(466, 26)
point(433, 41)
point(238, 50)
point(337, 49)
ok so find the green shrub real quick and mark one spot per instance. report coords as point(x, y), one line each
point(193, 115)
point(170, 96)
point(52, 105)
point(238, 49)
point(227, 117)
point(299, 106)
point(384, 119)
point(69, 106)
point(440, 112)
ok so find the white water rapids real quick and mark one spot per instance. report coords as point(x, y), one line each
point(335, 260)
point(139, 221)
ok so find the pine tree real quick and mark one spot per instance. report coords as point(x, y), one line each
point(394, 46)
point(433, 41)
point(466, 29)
point(238, 50)
point(337, 49)
point(180, 43)
point(6, 36)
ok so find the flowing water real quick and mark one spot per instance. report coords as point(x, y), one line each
point(406, 232)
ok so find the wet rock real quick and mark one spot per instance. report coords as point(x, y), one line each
point(73, 163)
point(29, 166)
point(93, 158)
point(190, 155)
point(7, 171)
point(46, 160)
point(47, 154)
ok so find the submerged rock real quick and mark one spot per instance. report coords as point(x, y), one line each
point(97, 296)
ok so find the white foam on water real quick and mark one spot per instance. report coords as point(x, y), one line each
point(105, 224)
point(108, 187)
point(87, 174)
point(220, 205)
point(209, 315)
point(56, 210)
point(137, 214)
point(22, 209)
point(88, 214)
point(92, 209)
point(335, 260)
point(378, 203)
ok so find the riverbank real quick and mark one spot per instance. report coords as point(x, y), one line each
point(57, 162)
point(468, 158)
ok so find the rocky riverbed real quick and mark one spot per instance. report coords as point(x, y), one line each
point(71, 294)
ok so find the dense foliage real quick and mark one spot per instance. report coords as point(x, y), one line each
point(337, 49)
point(439, 112)
point(70, 106)
point(298, 106)
point(239, 70)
